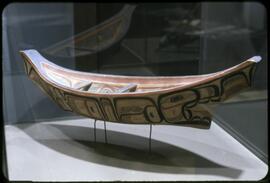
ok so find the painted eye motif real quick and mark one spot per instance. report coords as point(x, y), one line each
point(153, 114)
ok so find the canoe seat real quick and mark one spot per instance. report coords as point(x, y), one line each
point(83, 86)
point(131, 87)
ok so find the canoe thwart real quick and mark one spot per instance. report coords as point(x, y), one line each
point(106, 88)
point(129, 88)
point(83, 86)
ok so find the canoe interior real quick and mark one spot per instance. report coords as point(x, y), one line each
point(115, 84)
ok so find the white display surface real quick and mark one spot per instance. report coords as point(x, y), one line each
point(65, 151)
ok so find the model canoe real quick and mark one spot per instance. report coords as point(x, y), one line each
point(176, 100)
point(95, 39)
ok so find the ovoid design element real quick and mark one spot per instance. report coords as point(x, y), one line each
point(173, 100)
point(97, 38)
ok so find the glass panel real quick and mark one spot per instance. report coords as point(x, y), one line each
point(32, 26)
point(227, 41)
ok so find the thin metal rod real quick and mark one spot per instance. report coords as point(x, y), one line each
point(95, 132)
point(132, 52)
point(150, 138)
point(106, 140)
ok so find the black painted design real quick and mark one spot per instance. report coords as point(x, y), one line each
point(137, 110)
point(90, 103)
point(60, 98)
point(191, 111)
point(108, 109)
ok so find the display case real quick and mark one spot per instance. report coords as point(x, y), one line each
point(43, 142)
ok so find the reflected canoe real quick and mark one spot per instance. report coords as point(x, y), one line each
point(175, 100)
point(95, 39)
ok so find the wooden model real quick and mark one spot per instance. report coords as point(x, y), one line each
point(173, 100)
point(97, 38)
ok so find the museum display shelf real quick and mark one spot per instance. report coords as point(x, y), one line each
point(66, 151)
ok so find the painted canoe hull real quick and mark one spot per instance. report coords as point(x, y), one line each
point(95, 39)
point(183, 105)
